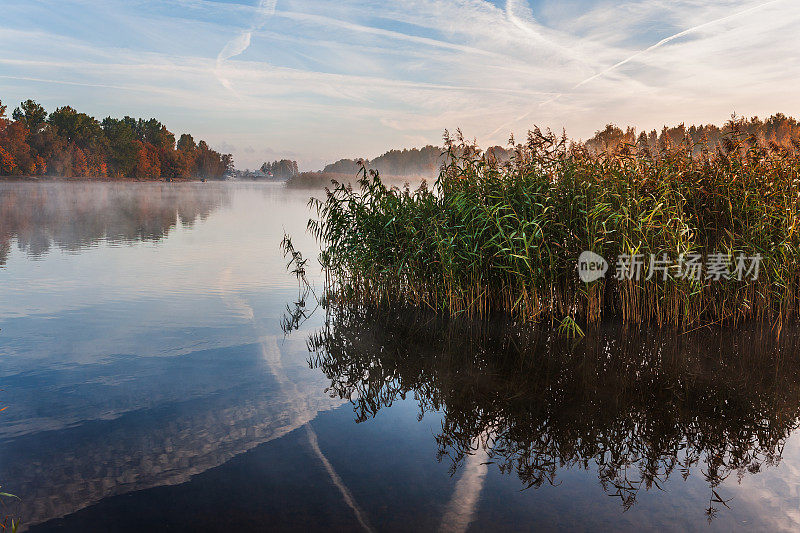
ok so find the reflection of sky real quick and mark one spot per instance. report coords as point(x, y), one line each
point(180, 332)
point(178, 389)
point(182, 293)
point(388, 465)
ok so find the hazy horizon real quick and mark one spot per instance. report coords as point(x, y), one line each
point(316, 82)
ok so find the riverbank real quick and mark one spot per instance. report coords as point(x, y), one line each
point(320, 180)
point(105, 179)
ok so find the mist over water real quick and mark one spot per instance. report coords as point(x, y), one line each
point(149, 386)
point(40, 216)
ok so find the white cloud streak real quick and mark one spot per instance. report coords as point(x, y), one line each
point(673, 37)
point(464, 502)
point(241, 42)
point(357, 77)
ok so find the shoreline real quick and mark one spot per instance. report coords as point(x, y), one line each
point(35, 179)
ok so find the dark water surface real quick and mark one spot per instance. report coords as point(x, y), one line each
point(149, 386)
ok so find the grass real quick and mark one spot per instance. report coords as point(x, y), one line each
point(314, 180)
point(489, 237)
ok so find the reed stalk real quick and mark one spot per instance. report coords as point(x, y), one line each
point(490, 237)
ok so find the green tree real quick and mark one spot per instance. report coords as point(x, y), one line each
point(31, 114)
point(186, 143)
point(123, 149)
point(78, 128)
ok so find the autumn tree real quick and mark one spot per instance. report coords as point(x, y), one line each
point(69, 143)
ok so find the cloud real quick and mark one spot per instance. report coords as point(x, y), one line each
point(241, 42)
point(673, 37)
point(324, 80)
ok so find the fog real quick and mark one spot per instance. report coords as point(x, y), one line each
point(37, 217)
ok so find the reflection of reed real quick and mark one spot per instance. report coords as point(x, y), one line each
point(638, 406)
point(78, 215)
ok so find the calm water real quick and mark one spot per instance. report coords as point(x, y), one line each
point(149, 386)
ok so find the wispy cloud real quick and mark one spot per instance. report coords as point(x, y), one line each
point(673, 37)
point(356, 77)
point(241, 42)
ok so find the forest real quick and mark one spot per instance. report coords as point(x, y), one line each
point(67, 143)
point(416, 162)
point(778, 130)
point(283, 169)
point(425, 162)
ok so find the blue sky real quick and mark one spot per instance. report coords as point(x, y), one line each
point(317, 80)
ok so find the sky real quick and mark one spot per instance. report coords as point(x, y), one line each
point(319, 80)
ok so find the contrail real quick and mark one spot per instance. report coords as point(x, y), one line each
point(662, 42)
point(513, 8)
point(348, 497)
point(659, 44)
point(240, 43)
point(273, 358)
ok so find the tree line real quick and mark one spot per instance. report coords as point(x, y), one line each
point(283, 169)
point(418, 162)
point(72, 144)
point(777, 130)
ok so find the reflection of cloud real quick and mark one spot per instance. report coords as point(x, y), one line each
point(773, 494)
point(464, 501)
point(223, 411)
point(288, 388)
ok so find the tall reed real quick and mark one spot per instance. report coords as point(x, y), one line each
point(491, 237)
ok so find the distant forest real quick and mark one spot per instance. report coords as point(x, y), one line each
point(425, 162)
point(72, 144)
point(283, 169)
point(416, 162)
point(777, 130)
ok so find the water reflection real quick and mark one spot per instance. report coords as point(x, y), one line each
point(637, 407)
point(128, 365)
point(194, 412)
point(40, 216)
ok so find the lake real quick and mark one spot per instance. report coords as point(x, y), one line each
point(154, 378)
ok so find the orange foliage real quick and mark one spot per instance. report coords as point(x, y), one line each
point(7, 164)
point(41, 166)
point(75, 144)
point(148, 164)
point(80, 166)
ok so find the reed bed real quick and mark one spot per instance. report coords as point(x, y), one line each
point(490, 237)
